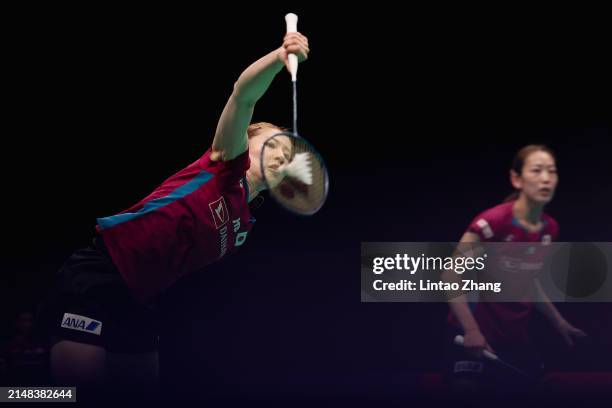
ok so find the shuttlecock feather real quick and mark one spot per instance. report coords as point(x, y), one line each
point(300, 168)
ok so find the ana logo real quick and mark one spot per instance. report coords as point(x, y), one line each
point(81, 323)
point(219, 212)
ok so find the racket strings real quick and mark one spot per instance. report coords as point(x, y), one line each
point(304, 187)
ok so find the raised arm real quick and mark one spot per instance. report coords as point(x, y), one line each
point(230, 137)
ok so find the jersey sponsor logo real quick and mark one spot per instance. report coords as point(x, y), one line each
point(509, 238)
point(546, 239)
point(468, 366)
point(509, 264)
point(240, 238)
point(81, 323)
point(485, 228)
point(223, 242)
point(519, 265)
point(219, 212)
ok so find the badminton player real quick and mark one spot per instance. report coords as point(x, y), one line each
point(502, 327)
point(99, 313)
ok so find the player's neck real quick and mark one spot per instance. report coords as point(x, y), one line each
point(254, 187)
point(527, 211)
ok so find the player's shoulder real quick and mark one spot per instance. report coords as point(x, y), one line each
point(213, 163)
point(490, 222)
point(499, 214)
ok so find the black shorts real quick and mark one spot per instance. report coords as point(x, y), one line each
point(90, 303)
point(489, 375)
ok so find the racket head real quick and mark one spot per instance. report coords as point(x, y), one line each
point(294, 173)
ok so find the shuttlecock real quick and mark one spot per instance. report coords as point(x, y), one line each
point(299, 168)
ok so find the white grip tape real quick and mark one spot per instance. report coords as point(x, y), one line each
point(291, 20)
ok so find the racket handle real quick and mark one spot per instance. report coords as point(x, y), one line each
point(291, 20)
point(488, 355)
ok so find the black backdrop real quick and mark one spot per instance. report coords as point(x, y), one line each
point(418, 116)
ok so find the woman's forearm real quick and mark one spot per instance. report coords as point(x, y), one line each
point(256, 79)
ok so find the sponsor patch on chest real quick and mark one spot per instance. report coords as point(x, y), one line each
point(219, 212)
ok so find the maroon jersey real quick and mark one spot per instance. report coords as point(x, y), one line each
point(194, 218)
point(507, 322)
point(498, 224)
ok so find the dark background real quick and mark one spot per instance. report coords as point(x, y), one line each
point(418, 115)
